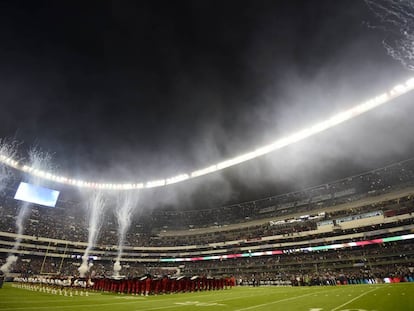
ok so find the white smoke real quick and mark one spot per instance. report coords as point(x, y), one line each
point(126, 202)
point(5, 268)
point(84, 268)
point(21, 217)
point(7, 149)
point(38, 160)
point(397, 17)
point(95, 207)
point(117, 267)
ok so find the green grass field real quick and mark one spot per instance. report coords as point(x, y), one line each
point(387, 297)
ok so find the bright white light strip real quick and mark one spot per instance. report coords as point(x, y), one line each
point(337, 119)
point(176, 179)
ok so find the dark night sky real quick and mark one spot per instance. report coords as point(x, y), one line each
point(134, 90)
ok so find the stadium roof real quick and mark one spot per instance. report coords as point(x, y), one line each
point(152, 93)
point(335, 120)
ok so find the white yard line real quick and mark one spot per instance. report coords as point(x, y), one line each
point(353, 299)
point(273, 302)
point(287, 299)
point(213, 301)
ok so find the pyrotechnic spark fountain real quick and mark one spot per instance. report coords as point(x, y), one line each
point(11, 259)
point(41, 161)
point(21, 217)
point(95, 208)
point(397, 17)
point(7, 151)
point(126, 202)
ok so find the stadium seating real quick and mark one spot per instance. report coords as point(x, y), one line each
point(374, 205)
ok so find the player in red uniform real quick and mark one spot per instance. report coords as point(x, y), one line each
point(147, 286)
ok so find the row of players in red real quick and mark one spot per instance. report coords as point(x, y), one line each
point(165, 285)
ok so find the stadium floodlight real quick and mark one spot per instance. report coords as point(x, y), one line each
point(176, 179)
point(333, 121)
point(155, 183)
point(204, 171)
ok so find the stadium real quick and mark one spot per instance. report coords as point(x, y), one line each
point(356, 230)
point(314, 213)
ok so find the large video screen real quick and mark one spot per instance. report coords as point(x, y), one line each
point(37, 195)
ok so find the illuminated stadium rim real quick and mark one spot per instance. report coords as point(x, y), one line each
point(295, 250)
point(334, 120)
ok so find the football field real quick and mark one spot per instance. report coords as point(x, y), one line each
point(384, 297)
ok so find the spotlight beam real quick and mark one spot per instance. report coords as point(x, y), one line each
point(295, 137)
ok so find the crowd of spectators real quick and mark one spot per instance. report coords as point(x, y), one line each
point(64, 226)
point(349, 189)
point(389, 260)
point(70, 224)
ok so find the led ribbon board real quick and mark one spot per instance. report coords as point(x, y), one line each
point(334, 120)
point(295, 250)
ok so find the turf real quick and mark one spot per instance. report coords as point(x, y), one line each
point(387, 297)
